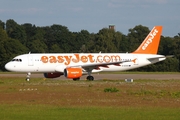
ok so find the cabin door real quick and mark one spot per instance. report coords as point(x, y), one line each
point(30, 60)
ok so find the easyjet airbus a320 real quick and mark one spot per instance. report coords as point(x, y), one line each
point(74, 65)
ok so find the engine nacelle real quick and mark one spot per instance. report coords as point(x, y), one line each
point(52, 75)
point(73, 72)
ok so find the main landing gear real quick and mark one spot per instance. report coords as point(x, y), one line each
point(28, 76)
point(89, 77)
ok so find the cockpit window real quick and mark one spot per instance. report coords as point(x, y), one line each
point(17, 60)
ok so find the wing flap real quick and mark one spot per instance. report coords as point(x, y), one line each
point(92, 66)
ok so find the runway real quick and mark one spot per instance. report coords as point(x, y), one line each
point(173, 76)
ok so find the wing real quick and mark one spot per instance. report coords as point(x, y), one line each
point(91, 66)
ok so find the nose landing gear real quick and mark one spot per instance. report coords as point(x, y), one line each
point(28, 76)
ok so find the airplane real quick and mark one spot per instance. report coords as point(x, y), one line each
point(74, 65)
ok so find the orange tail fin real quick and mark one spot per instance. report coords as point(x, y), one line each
point(151, 43)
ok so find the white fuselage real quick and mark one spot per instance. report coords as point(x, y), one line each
point(53, 62)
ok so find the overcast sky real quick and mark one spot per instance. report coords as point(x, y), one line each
point(93, 15)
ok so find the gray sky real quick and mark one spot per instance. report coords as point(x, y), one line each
point(93, 15)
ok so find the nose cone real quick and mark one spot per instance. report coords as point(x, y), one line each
point(9, 67)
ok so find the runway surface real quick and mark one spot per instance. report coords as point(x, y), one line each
point(109, 76)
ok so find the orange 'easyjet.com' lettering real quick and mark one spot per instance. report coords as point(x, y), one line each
point(67, 59)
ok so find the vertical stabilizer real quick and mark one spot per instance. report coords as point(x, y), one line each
point(151, 43)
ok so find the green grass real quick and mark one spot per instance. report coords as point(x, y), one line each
point(28, 110)
point(42, 112)
point(111, 89)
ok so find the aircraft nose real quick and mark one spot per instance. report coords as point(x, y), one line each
point(8, 66)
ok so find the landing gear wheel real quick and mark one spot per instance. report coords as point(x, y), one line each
point(28, 77)
point(76, 79)
point(90, 78)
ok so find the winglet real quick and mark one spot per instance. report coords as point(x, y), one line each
point(151, 42)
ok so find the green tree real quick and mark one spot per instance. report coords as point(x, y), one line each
point(36, 46)
point(30, 31)
point(3, 35)
point(9, 49)
point(58, 34)
point(2, 25)
point(35, 39)
point(166, 46)
point(124, 44)
point(105, 41)
point(55, 49)
point(81, 41)
point(117, 39)
point(15, 31)
point(136, 36)
point(3, 55)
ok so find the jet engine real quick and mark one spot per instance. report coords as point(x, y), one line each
point(73, 72)
point(52, 75)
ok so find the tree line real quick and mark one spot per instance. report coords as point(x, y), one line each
point(16, 39)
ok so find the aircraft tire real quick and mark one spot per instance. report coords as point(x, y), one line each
point(90, 78)
point(27, 79)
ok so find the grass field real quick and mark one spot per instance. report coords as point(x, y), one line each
point(89, 100)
